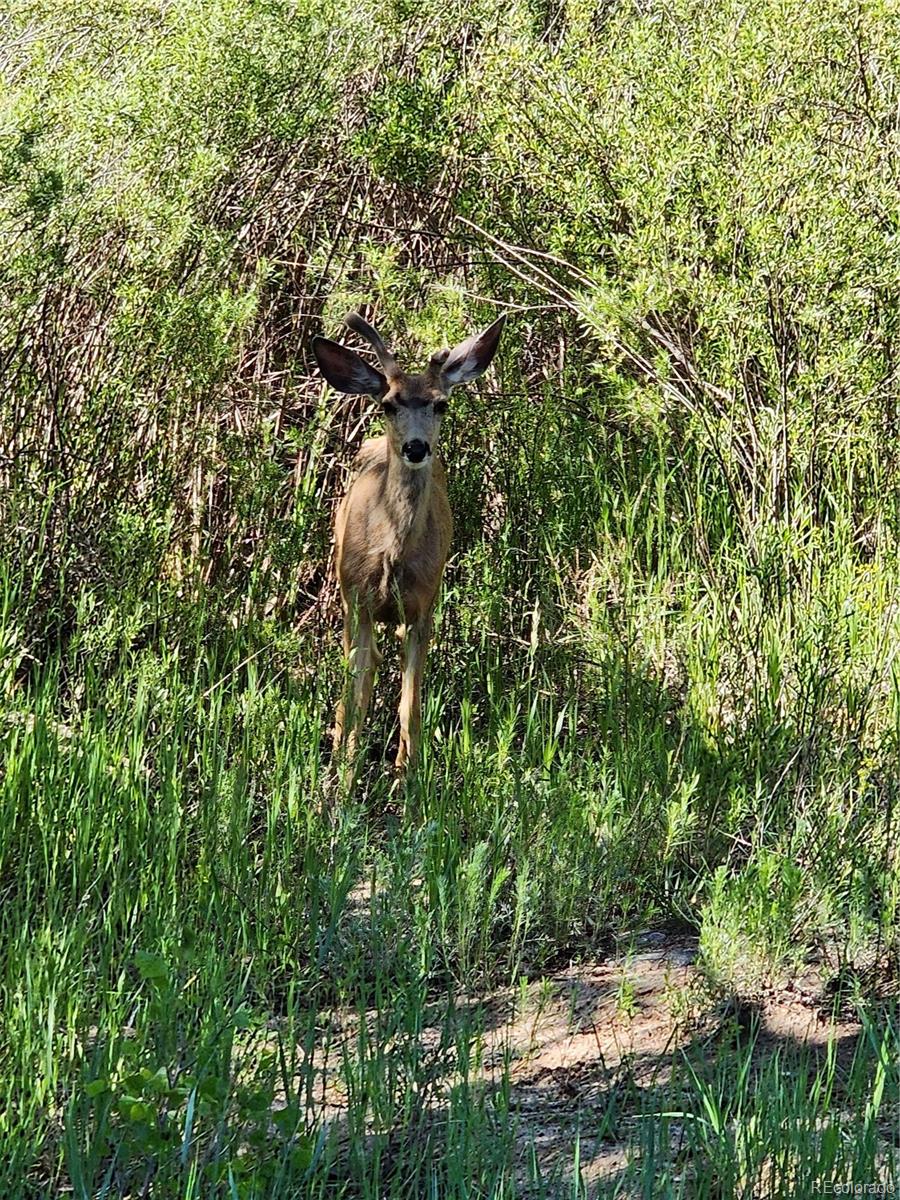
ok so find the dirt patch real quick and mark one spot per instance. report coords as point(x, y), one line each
point(590, 1033)
point(578, 1055)
point(584, 1031)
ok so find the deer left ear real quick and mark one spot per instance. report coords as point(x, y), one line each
point(472, 357)
point(346, 371)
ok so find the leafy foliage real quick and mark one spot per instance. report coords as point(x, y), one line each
point(665, 683)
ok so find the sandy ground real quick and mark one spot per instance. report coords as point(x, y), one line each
point(567, 1042)
point(618, 1025)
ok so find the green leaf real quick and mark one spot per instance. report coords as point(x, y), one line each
point(287, 1119)
point(151, 966)
point(243, 1018)
point(302, 1153)
point(213, 1088)
point(155, 1081)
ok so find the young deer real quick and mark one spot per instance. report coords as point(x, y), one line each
point(392, 530)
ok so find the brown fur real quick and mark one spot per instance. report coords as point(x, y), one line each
point(393, 528)
point(392, 534)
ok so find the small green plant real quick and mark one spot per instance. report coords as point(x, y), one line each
point(626, 999)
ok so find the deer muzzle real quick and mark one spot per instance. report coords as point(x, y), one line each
point(416, 452)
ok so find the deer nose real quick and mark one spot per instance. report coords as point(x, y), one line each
point(416, 451)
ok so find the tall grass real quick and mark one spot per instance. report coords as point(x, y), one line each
point(664, 684)
point(191, 921)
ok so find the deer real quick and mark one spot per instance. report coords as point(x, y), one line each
point(393, 527)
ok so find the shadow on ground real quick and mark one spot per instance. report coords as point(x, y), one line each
point(587, 1054)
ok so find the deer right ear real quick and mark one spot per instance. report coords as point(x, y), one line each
point(472, 357)
point(346, 371)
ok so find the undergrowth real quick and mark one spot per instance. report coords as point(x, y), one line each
point(663, 690)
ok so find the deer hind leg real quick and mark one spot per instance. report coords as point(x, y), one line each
point(415, 649)
point(362, 656)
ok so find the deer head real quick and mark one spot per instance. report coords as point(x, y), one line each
point(413, 405)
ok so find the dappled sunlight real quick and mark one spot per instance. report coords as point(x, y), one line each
point(628, 926)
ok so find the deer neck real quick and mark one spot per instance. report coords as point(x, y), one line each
point(407, 498)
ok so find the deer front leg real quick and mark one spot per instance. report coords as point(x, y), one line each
point(415, 648)
point(362, 657)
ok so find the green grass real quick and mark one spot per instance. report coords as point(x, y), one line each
point(664, 685)
point(192, 903)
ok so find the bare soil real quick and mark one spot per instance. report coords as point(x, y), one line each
point(619, 1024)
point(568, 1042)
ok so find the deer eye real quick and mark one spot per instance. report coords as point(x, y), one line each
point(440, 407)
point(389, 410)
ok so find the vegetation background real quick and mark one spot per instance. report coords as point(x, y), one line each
point(665, 688)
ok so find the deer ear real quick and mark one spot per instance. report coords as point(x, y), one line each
point(472, 357)
point(346, 371)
